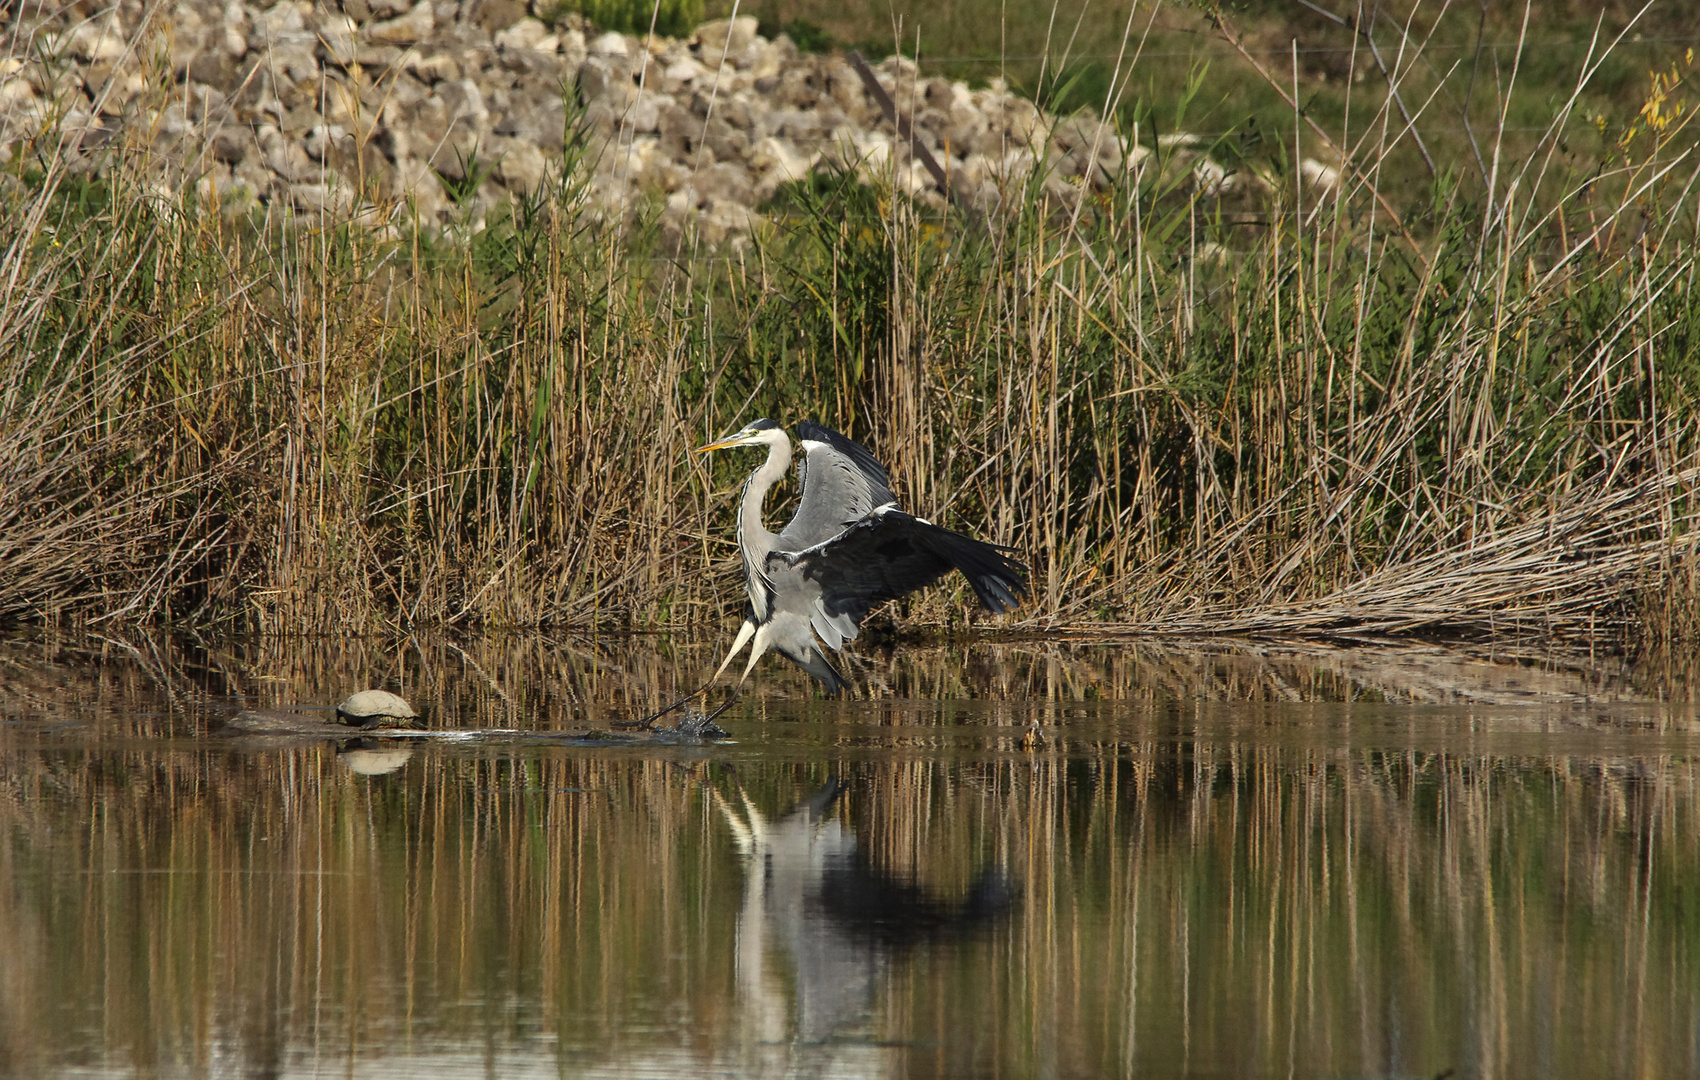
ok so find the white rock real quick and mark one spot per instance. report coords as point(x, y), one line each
point(338, 32)
point(767, 60)
point(522, 167)
point(610, 46)
point(424, 189)
point(294, 57)
point(1212, 252)
point(98, 41)
point(319, 140)
point(1320, 177)
point(603, 79)
point(573, 49)
point(431, 70)
point(281, 154)
point(524, 34)
point(1209, 177)
point(120, 92)
point(684, 72)
point(644, 115)
point(728, 37)
point(873, 154)
point(321, 198)
point(1015, 166)
point(780, 161)
point(275, 22)
point(15, 94)
point(1135, 161)
point(408, 29)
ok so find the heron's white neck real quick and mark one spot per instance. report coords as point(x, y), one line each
point(752, 535)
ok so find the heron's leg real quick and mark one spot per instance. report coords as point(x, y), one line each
point(745, 632)
point(756, 651)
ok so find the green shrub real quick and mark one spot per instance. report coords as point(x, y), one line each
point(672, 18)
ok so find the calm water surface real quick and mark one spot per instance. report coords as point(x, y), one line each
point(1238, 862)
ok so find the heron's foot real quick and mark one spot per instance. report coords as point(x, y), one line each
point(694, 724)
point(691, 723)
point(647, 723)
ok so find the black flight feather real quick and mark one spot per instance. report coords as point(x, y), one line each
point(891, 554)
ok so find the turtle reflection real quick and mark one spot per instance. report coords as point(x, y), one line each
point(373, 757)
point(811, 895)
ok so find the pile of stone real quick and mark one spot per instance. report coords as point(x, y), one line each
point(445, 109)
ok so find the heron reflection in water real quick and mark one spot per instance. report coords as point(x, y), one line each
point(814, 899)
point(847, 549)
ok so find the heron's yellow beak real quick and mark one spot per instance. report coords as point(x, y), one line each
point(730, 440)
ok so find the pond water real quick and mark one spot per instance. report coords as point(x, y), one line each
point(1220, 862)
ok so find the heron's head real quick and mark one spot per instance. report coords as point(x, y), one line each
point(758, 433)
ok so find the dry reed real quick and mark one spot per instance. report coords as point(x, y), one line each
point(1473, 416)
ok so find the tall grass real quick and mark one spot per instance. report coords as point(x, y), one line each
point(1299, 411)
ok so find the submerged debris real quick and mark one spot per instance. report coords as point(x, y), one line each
point(386, 720)
point(283, 722)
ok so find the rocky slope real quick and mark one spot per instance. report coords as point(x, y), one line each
point(447, 108)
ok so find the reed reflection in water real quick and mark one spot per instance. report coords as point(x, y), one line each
point(1214, 865)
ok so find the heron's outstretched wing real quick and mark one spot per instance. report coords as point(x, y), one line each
point(842, 484)
point(890, 554)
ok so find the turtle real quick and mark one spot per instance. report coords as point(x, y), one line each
point(375, 708)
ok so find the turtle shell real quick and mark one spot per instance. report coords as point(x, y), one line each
point(372, 706)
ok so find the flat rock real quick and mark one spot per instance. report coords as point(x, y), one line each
point(408, 29)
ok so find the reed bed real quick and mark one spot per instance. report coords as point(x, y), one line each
point(1302, 411)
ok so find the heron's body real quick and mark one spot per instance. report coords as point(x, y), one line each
point(847, 549)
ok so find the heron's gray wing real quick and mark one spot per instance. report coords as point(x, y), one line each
point(842, 484)
point(889, 554)
point(757, 586)
point(811, 431)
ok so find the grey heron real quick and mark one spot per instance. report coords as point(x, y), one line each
point(847, 549)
